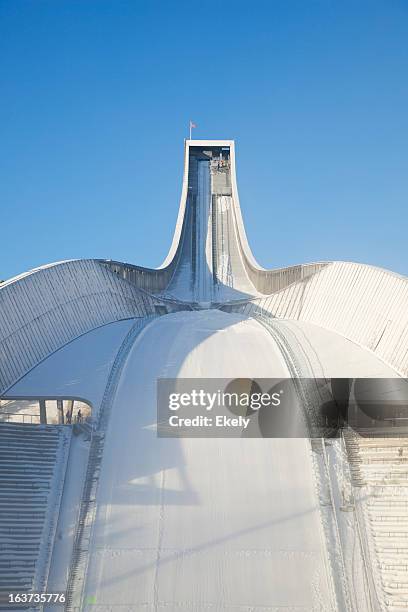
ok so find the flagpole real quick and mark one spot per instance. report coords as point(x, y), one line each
point(190, 129)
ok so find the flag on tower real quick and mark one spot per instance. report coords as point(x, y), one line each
point(192, 125)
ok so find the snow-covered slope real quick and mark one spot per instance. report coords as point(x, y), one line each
point(196, 524)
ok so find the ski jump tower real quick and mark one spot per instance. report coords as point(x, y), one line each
point(209, 261)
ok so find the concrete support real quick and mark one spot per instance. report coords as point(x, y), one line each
point(60, 410)
point(70, 410)
point(43, 412)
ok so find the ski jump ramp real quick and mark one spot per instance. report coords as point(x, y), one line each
point(175, 524)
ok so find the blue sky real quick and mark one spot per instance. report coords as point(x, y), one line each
point(95, 98)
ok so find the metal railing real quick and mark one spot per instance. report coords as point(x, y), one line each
point(19, 417)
